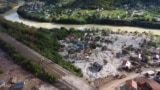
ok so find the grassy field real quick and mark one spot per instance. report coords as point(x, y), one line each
point(83, 14)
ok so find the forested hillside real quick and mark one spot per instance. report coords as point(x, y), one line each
point(108, 4)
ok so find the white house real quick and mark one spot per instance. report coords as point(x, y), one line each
point(139, 56)
point(126, 63)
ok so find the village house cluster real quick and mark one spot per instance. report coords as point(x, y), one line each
point(103, 53)
point(143, 83)
point(37, 7)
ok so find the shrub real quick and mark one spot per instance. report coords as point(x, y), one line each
point(1, 71)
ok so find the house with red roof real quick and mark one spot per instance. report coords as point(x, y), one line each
point(131, 85)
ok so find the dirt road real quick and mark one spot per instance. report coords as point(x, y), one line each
point(112, 85)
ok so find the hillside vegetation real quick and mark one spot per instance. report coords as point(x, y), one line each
point(106, 4)
point(143, 13)
point(41, 40)
point(6, 5)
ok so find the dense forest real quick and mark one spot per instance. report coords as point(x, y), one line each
point(6, 5)
point(106, 4)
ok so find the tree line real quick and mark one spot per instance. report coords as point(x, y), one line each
point(42, 40)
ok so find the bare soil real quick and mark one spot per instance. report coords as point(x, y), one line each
point(10, 69)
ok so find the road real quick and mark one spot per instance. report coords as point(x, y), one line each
point(112, 85)
point(48, 65)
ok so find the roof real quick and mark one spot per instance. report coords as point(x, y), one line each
point(87, 51)
point(104, 48)
point(71, 36)
point(96, 67)
point(74, 47)
point(19, 84)
point(149, 82)
point(155, 51)
point(2, 83)
point(131, 83)
point(13, 79)
point(126, 63)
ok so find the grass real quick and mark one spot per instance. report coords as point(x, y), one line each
point(76, 13)
point(1, 71)
point(157, 38)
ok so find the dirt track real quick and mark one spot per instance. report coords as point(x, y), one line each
point(112, 85)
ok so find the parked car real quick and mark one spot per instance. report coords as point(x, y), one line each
point(148, 74)
point(157, 78)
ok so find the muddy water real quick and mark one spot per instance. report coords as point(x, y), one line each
point(13, 16)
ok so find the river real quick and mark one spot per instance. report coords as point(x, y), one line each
point(13, 16)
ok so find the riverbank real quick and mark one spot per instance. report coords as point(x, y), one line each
point(71, 20)
point(41, 12)
point(6, 6)
point(13, 16)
